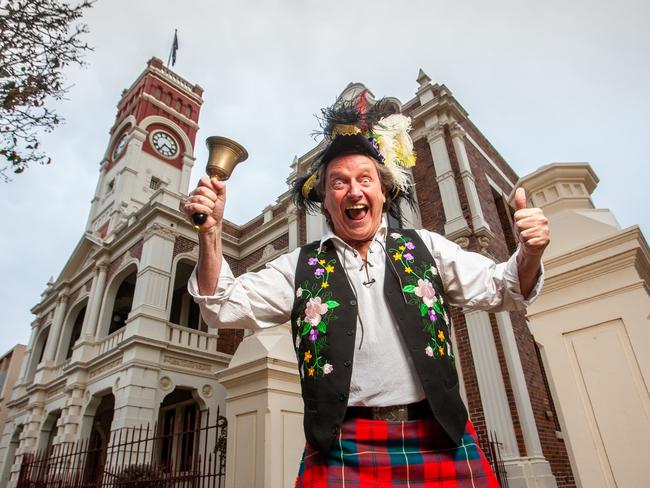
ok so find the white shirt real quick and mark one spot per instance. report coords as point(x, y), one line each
point(382, 373)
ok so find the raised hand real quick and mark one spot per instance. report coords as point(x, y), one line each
point(531, 227)
point(209, 198)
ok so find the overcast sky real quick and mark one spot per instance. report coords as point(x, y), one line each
point(550, 81)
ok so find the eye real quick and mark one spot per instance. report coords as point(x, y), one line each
point(366, 180)
point(337, 183)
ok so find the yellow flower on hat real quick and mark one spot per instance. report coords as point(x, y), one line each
point(324, 284)
point(401, 248)
point(441, 335)
point(307, 356)
point(397, 256)
point(310, 371)
point(441, 350)
point(408, 269)
point(322, 261)
point(329, 268)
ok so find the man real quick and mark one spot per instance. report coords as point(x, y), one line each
point(368, 310)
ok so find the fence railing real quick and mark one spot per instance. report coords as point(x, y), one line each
point(493, 455)
point(110, 342)
point(186, 337)
point(171, 454)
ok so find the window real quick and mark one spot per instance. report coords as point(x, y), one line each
point(184, 310)
point(110, 186)
point(76, 331)
point(180, 419)
point(155, 183)
point(123, 303)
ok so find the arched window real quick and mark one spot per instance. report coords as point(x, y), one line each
point(49, 431)
point(122, 303)
point(10, 455)
point(179, 420)
point(73, 329)
point(184, 311)
point(36, 356)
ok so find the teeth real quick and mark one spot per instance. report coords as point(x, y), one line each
point(356, 207)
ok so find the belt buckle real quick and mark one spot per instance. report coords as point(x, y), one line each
point(396, 413)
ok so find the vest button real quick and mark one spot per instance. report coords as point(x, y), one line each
point(353, 302)
point(350, 332)
point(347, 363)
point(342, 397)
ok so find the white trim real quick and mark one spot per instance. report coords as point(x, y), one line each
point(489, 160)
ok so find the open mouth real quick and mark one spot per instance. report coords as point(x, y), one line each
point(356, 212)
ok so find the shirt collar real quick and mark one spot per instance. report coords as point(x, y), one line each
point(328, 233)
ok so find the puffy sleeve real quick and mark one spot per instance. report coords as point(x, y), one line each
point(475, 281)
point(254, 300)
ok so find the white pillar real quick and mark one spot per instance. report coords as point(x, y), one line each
point(478, 221)
point(490, 382)
point(534, 469)
point(315, 225)
point(188, 163)
point(96, 295)
point(264, 411)
point(55, 330)
point(149, 311)
point(28, 354)
point(292, 222)
point(455, 223)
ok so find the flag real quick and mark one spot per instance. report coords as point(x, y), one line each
point(172, 54)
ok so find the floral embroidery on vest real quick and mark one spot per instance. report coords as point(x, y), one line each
point(421, 292)
point(315, 313)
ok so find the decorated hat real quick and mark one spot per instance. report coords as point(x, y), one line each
point(361, 126)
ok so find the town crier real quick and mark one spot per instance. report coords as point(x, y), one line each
point(369, 309)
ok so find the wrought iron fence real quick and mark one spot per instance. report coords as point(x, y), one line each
point(166, 455)
point(493, 455)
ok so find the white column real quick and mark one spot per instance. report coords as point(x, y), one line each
point(315, 226)
point(149, 311)
point(188, 163)
point(534, 470)
point(55, 330)
point(518, 383)
point(96, 295)
point(490, 382)
point(292, 222)
point(455, 223)
point(478, 221)
point(28, 354)
point(264, 411)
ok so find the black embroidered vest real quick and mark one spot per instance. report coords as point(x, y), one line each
point(324, 322)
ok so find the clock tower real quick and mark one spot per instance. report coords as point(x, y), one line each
point(151, 146)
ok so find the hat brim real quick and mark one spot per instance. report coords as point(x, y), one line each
point(350, 144)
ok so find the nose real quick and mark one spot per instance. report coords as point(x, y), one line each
point(355, 190)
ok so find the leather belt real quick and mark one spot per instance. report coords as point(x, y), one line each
point(397, 413)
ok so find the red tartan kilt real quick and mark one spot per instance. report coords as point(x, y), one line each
point(382, 454)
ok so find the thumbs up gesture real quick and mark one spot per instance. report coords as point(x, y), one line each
point(531, 227)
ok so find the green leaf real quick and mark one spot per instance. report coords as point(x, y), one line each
point(332, 304)
point(322, 327)
point(409, 289)
point(424, 309)
point(306, 328)
point(438, 308)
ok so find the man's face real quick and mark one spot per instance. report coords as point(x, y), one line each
point(354, 197)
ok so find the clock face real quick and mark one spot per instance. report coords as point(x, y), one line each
point(119, 147)
point(164, 143)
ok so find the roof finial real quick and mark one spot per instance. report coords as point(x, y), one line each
point(423, 78)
